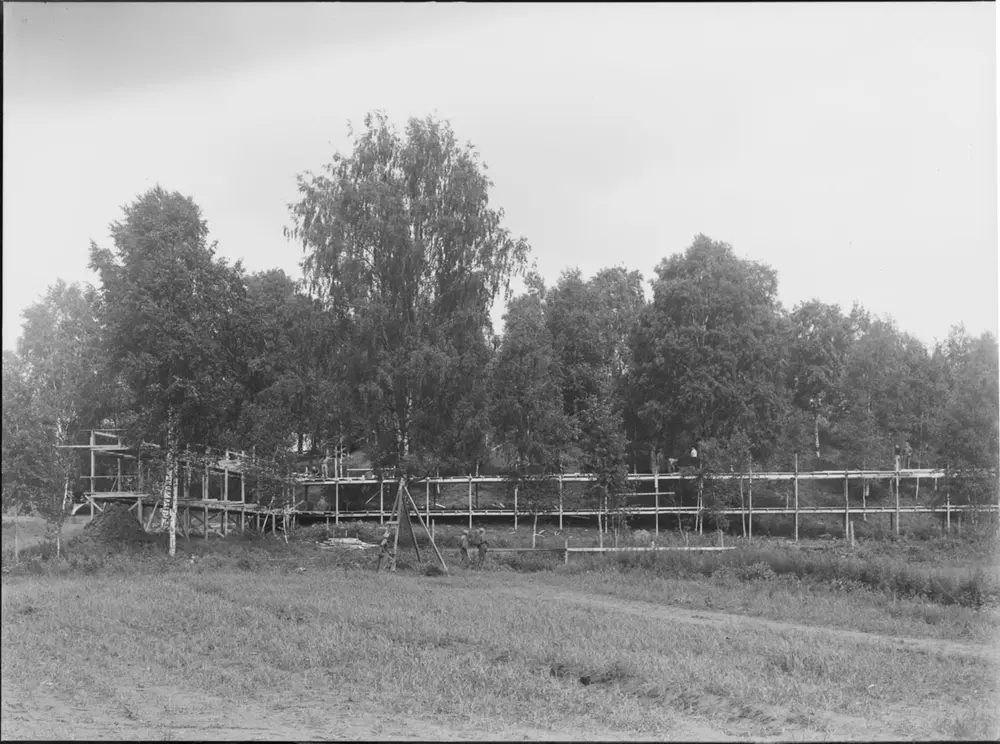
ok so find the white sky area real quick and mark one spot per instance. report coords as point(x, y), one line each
point(851, 146)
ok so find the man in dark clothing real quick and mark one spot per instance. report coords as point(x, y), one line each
point(385, 551)
point(479, 540)
point(463, 548)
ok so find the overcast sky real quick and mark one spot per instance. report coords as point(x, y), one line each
point(851, 146)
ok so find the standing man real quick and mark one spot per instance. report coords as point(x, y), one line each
point(463, 548)
point(482, 545)
point(385, 551)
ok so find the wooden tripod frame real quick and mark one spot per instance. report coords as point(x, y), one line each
point(404, 502)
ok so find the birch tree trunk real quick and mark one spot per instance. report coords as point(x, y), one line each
point(17, 532)
point(816, 433)
point(61, 516)
point(173, 505)
point(165, 492)
point(168, 513)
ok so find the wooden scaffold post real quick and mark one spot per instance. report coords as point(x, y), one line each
point(93, 468)
point(864, 497)
point(896, 529)
point(947, 506)
point(847, 507)
point(656, 495)
point(795, 486)
point(560, 501)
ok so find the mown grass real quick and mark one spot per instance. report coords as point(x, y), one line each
point(877, 587)
point(475, 647)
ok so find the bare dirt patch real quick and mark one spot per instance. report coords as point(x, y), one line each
point(170, 712)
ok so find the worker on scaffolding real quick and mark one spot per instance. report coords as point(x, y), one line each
point(385, 551)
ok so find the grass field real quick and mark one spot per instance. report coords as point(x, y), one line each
point(256, 638)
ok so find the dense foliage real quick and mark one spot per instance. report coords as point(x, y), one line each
point(386, 345)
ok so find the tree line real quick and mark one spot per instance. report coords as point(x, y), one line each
point(386, 344)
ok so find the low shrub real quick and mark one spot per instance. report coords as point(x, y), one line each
point(640, 538)
point(760, 571)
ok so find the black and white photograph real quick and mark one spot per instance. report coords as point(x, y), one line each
point(481, 371)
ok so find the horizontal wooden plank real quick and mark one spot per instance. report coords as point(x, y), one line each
point(217, 505)
point(904, 474)
point(709, 548)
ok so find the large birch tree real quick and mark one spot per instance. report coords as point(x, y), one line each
point(173, 318)
point(402, 245)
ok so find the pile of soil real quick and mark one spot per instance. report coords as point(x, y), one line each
point(115, 527)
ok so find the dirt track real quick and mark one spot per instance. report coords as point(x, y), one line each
point(171, 712)
point(722, 620)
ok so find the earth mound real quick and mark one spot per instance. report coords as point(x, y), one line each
point(115, 527)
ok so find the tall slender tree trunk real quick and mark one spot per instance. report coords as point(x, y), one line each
point(170, 486)
point(169, 510)
point(816, 433)
point(61, 517)
point(17, 532)
point(173, 505)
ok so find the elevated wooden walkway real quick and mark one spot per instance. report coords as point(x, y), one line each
point(214, 496)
